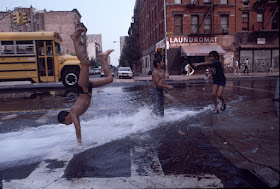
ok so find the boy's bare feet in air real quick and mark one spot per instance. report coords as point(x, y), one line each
point(106, 54)
point(77, 33)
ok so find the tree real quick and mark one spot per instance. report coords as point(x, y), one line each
point(93, 63)
point(130, 54)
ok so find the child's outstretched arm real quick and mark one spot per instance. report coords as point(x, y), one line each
point(201, 64)
point(107, 71)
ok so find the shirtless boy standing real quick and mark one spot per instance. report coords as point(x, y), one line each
point(158, 87)
point(85, 86)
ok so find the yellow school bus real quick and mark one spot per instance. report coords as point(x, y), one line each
point(38, 57)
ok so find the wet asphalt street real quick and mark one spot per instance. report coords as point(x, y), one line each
point(125, 146)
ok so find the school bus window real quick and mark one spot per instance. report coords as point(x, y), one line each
point(49, 48)
point(41, 48)
point(25, 50)
point(58, 49)
point(7, 43)
point(42, 67)
point(24, 42)
point(8, 50)
point(50, 66)
point(7, 47)
point(49, 51)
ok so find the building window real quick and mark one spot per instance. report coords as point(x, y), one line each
point(245, 21)
point(178, 24)
point(260, 21)
point(194, 23)
point(224, 2)
point(208, 25)
point(194, 2)
point(245, 3)
point(207, 1)
point(275, 21)
point(224, 23)
point(177, 1)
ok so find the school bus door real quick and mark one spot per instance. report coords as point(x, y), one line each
point(45, 61)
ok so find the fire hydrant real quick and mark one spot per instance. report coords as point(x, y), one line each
point(207, 72)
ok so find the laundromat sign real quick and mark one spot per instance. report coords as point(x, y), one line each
point(187, 41)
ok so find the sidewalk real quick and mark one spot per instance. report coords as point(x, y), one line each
point(145, 77)
point(16, 85)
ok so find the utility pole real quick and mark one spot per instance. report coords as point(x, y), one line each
point(165, 36)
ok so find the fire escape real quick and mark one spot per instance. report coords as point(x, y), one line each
point(205, 16)
point(209, 10)
point(261, 6)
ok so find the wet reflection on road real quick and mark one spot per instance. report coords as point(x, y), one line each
point(119, 124)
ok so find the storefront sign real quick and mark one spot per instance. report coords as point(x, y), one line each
point(187, 41)
point(261, 41)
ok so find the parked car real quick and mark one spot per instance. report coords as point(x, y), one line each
point(96, 70)
point(125, 72)
point(102, 73)
point(91, 71)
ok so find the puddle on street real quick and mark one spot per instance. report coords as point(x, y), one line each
point(118, 113)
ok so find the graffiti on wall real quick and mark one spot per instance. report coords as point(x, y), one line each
point(228, 59)
point(261, 65)
point(275, 63)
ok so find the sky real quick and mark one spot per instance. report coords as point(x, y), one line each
point(111, 18)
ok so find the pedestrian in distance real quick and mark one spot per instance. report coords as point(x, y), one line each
point(246, 62)
point(157, 91)
point(236, 67)
point(219, 79)
point(85, 86)
point(187, 69)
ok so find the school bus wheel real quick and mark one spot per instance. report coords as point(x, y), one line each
point(70, 78)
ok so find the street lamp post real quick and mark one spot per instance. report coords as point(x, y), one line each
point(165, 36)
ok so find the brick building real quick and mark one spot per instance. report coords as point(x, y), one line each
point(94, 45)
point(235, 28)
point(63, 22)
point(257, 37)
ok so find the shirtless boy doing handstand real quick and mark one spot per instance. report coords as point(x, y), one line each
point(85, 86)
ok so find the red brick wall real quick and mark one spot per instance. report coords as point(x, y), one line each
point(64, 23)
point(4, 23)
point(267, 8)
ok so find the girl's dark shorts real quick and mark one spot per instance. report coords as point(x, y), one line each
point(220, 83)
